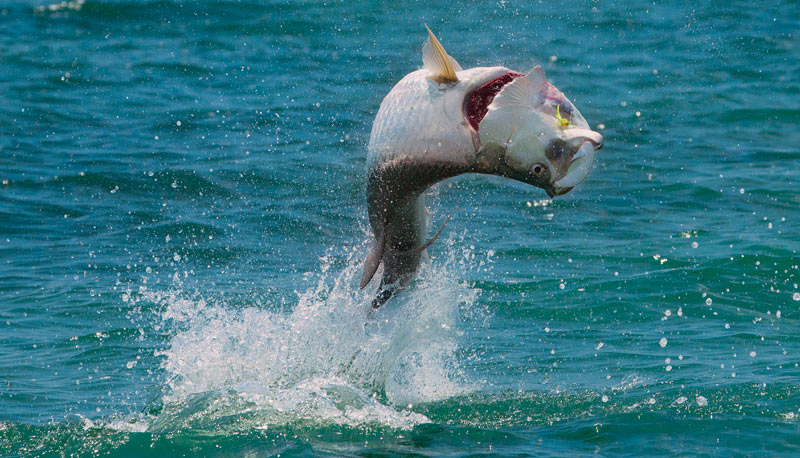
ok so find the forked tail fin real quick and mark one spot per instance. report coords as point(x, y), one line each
point(385, 292)
point(373, 261)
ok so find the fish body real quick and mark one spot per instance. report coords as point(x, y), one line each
point(442, 121)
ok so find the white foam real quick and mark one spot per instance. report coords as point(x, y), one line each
point(74, 5)
point(324, 361)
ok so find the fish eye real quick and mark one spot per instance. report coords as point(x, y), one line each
point(537, 169)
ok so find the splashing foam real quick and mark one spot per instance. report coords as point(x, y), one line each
point(325, 361)
point(74, 5)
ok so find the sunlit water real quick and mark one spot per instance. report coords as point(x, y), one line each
point(183, 222)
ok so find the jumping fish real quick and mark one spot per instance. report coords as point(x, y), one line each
point(441, 121)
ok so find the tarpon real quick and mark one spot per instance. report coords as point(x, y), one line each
point(441, 121)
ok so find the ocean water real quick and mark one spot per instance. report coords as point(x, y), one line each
point(183, 222)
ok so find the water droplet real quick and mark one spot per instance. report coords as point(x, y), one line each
point(796, 296)
point(695, 244)
point(708, 301)
point(663, 342)
point(604, 398)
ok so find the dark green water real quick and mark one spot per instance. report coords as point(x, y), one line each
point(183, 221)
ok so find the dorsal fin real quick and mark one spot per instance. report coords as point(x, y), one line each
point(436, 60)
point(456, 65)
point(523, 91)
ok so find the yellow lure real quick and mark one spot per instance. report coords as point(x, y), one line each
point(563, 122)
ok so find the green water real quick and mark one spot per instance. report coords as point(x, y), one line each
point(183, 222)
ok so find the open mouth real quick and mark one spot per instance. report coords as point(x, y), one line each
point(579, 168)
point(587, 143)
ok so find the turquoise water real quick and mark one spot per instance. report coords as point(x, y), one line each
point(183, 221)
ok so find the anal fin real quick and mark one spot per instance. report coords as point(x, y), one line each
point(424, 246)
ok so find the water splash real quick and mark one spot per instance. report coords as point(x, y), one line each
point(323, 362)
point(74, 5)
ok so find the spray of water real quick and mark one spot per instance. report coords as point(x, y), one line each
point(326, 361)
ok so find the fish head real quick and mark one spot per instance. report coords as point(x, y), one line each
point(534, 134)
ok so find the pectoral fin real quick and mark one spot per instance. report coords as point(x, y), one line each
point(373, 261)
point(526, 91)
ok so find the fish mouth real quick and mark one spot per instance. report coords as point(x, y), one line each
point(580, 163)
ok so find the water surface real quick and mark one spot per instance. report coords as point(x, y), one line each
point(183, 222)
